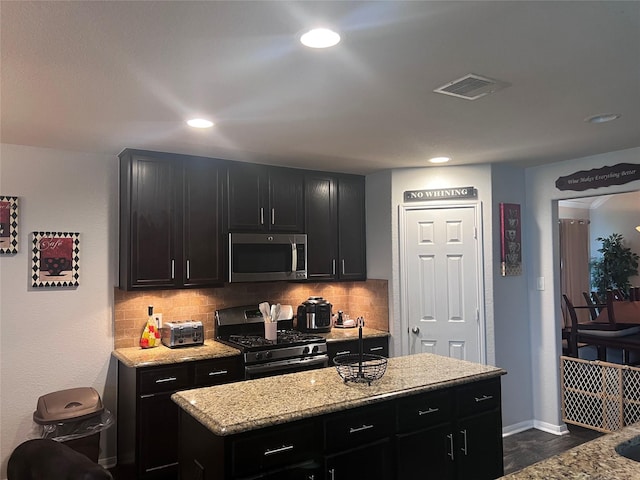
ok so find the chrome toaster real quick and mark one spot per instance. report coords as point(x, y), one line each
point(182, 334)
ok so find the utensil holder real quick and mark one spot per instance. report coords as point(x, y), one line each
point(271, 331)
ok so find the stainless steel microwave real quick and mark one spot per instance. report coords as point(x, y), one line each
point(262, 257)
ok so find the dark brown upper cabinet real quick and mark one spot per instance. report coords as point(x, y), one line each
point(335, 226)
point(264, 199)
point(170, 228)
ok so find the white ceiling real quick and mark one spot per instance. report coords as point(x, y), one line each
point(103, 76)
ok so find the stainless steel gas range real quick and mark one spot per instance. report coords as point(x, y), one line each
point(293, 351)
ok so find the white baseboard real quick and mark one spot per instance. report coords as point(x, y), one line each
point(551, 428)
point(517, 428)
point(528, 424)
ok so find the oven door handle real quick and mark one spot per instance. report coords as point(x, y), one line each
point(253, 371)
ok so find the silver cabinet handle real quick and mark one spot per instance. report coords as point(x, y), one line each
point(415, 330)
point(273, 216)
point(165, 380)
point(483, 398)
point(261, 216)
point(360, 429)
point(344, 352)
point(428, 411)
point(284, 448)
point(218, 372)
point(333, 266)
point(464, 441)
point(188, 269)
point(450, 453)
point(173, 269)
point(375, 349)
point(343, 272)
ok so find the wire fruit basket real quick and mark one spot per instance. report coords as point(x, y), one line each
point(363, 368)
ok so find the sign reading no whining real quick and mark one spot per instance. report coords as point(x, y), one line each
point(440, 194)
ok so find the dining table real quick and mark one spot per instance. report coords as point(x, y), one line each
point(624, 310)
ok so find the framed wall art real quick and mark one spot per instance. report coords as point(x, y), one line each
point(8, 224)
point(56, 257)
point(510, 240)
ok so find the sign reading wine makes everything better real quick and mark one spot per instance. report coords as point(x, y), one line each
point(440, 194)
point(600, 177)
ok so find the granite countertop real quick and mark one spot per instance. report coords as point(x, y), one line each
point(342, 334)
point(238, 407)
point(594, 460)
point(135, 357)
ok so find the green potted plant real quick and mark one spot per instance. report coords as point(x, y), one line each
point(613, 268)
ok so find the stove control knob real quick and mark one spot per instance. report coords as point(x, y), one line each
point(315, 349)
point(268, 354)
point(305, 350)
point(258, 356)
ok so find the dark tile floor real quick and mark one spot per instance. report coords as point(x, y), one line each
point(520, 450)
point(531, 446)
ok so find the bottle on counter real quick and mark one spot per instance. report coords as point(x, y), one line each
point(150, 334)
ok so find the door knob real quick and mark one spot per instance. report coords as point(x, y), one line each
point(415, 330)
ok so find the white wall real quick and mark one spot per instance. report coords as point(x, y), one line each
point(53, 338)
point(619, 214)
point(512, 337)
point(541, 256)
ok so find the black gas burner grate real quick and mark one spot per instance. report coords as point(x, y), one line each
point(287, 337)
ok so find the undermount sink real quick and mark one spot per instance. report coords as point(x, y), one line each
point(630, 449)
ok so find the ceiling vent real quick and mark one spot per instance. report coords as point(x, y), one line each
point(471, 87)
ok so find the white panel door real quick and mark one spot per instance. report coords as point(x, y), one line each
point(440, 294)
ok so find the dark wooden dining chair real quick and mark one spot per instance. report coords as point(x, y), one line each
point(593, 309)
point(581, 332)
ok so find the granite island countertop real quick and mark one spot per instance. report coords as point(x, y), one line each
point(594, 460)
point(238, 407)
point(135, 357)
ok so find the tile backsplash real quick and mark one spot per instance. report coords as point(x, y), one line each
point(368, 299)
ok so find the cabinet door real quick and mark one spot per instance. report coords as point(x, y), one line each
point(373, 345)
point(148, 222)
point(286, 205)
point(202, 247)
point(372, 462)
point(321, 219)
point(351, 228)
point(479, 447)
point(427, 453)
point(246, 198)
point(157, 442)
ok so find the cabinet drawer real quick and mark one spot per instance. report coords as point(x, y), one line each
point(164, 379)
point(216, 372)
point(356, 427)
point(478, 397)
point(276, 448)
point(374, 345)
point(425, 410)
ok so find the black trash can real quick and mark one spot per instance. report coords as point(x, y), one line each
point(76, 417)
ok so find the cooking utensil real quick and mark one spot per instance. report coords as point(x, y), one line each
point(265, 310)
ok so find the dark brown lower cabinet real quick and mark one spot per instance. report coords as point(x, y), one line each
point(448, 434)
point(147, 417)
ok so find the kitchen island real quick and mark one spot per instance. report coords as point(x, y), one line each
point(313, 425)
point(596, 460)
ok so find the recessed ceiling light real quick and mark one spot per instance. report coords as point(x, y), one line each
point(439, 160)
point(320, 38)
point(200, 123)
point(603, 118)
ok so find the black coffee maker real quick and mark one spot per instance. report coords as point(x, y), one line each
point(314, 315)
